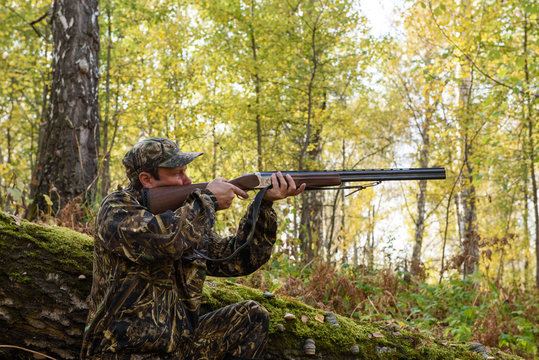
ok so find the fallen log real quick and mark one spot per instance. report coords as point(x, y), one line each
point(46, 275)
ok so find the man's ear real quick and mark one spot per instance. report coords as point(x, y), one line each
point(146, 179)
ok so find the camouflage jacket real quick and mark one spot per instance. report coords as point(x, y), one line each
point(147, 278)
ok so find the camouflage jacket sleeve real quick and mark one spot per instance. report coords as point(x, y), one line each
point(129, 230)
point(252, 256)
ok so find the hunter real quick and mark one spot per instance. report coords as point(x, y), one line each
point(148, 271)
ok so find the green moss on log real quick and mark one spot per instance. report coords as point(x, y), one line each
point(30, 250)
point(72, 246)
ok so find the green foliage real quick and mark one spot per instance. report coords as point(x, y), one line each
point(25, 67)
point(469, 312)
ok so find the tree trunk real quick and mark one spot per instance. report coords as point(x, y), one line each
point(469, 236)
point(337, 230)
point(67, 154)
point(42, 300)
point(310, 233)
point(468, 218)
point(416, 268)
point(105, 152)
point(369, 244)
point(331, 232)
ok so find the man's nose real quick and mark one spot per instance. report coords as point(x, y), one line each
point(186, 180)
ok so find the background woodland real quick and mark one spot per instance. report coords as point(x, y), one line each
point(303, 85)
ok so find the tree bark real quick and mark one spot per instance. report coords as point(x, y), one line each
point(370, 243)
point(67, 154)
point(466, 198)
point(416, 268)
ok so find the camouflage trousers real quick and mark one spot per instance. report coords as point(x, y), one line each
point(238, 331)
point(234, 332)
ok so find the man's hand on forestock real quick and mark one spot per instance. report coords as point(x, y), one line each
point(282, 187)
point(225, 192)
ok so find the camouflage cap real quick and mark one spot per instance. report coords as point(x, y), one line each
point(154, 151)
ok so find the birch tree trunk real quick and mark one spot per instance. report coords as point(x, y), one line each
point(466, 197)
point(421, 196)
point(67, 154)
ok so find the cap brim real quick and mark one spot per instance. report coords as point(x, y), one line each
point(180, 159)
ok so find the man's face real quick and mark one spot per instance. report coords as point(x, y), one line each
point(169, 176)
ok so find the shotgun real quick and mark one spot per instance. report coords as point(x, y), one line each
point(161, 199)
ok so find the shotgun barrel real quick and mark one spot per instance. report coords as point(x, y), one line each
point(346, 176)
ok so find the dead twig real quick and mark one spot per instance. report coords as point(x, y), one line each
point(24, 349)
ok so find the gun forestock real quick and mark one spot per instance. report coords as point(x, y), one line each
point(261, 180)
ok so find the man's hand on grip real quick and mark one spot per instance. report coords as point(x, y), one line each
point(225, 192)
point(282, 187)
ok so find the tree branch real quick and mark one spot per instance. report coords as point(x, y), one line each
point(36, 21)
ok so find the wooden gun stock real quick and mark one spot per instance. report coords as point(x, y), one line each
point(164, 198)
point(161, 199)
